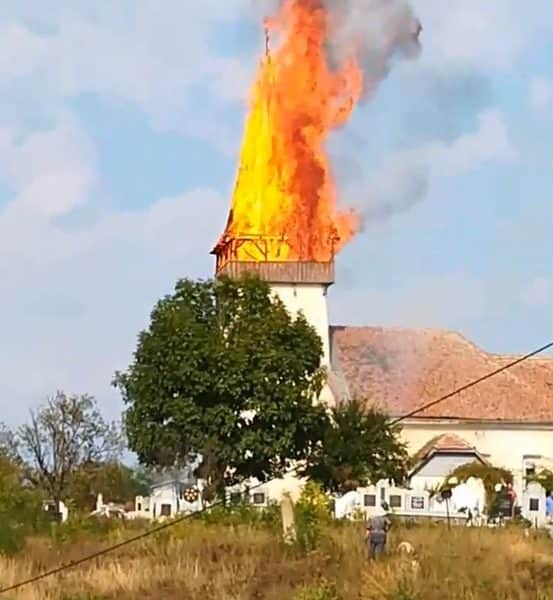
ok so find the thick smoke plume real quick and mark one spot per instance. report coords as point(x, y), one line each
point(375, 32)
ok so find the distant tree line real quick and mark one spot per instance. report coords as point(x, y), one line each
point(67, 451)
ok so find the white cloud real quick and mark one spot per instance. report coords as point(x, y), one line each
point(404, 177)
point(442, 302)
point(51, 173)
point(490, 142)
point(541, 96)
point(461, 34)
point(21, 51)
point(130, 53)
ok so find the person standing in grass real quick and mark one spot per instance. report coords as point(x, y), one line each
point(377, 532)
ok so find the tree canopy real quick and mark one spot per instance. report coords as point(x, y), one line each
point(115, 481)
point(224, 371)
point(359, 446)
point(21, 511)
point(65, 434)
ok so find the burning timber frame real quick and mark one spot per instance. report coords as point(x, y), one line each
point(273, 271)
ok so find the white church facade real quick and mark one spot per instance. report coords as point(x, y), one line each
point(506, 420)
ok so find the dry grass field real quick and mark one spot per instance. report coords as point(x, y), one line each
point(197, 560)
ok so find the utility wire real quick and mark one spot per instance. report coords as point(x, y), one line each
point(472, 383)
point(176, 521)
point(130, 540)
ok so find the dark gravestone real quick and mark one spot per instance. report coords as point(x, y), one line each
point(505, 508)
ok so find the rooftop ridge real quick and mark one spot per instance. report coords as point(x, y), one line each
point(451, 333)
point(401, 368)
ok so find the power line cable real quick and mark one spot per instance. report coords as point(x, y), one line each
point(472, 383)
point(176, 521)
point(126, 542)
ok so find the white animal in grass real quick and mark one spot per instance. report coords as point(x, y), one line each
point(405, 548)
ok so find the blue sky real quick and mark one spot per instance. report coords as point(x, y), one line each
point(120, 128)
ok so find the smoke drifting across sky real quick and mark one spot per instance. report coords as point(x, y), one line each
point(375, 32)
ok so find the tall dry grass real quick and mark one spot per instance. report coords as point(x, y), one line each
point(245, 563)
point(464, 564)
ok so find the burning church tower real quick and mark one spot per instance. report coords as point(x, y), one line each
point(284, 224)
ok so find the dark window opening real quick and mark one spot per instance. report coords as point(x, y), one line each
point(395, 501)
point(417, 502)
point(534, 504)
point(258, 498)
point(165, 510)
point(235, 498)
point(369, 500)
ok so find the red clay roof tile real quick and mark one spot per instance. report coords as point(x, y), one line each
point(399, 370)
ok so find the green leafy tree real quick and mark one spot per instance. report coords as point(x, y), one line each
point(544, 478)
point(359, 446)
point(62, 436)
point(489, 475)
point(8, 444)
point(21, 511)
point(224, 372)
point(115, 481)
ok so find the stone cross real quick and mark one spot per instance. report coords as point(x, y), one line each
point(288, 519)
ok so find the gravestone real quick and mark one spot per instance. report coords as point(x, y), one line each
point(345, 505)
point(288, 519)
point(533, 504)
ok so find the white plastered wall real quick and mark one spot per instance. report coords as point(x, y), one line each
point(510, 446)
point(311, 300)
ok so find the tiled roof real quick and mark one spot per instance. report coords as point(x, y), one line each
point(447, 442)
point(399, 370)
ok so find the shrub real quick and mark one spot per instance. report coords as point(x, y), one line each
point(312, 514)
point(78, 527)
point(21, 512)
point(243, 514)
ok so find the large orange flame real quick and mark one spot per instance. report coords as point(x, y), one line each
point(284, 202)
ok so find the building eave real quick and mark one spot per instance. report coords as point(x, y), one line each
point(469, 422)
point(424, 461)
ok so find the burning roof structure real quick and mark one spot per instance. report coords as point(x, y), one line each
point(284, 206)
